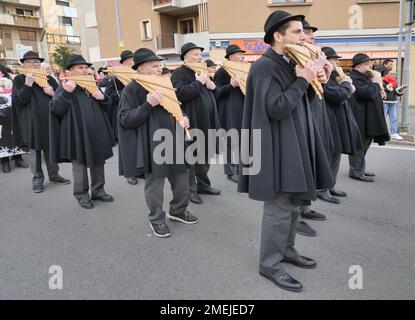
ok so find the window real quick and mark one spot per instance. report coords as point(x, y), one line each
point(24, 12)
point(146, 30)
point(186, 26)
point(27, 35)
point(65, 21)
point(62, 3)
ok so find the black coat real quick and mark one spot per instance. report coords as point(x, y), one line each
point(138, 122)
point(367, 106)
point(292, 155)
point(6, 139)
point(345, 130)
point(114, 91)
point(198, 103)
point(230, 101)
point(79, 128)
point(31, 113)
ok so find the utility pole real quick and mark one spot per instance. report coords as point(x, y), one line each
point(400, 42)
point(408, 42)
point(119, 32)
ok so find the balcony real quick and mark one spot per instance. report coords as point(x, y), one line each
point(27, 3)
point(169, 44)
point(175, 6)
point(20, 21)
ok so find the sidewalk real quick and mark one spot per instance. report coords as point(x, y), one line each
point(411, 123)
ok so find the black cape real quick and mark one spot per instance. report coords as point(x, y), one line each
point(292, 156)
point(79, 128)
point(230, 101)
point(367, 106)
point(198, 103)
point(344, 128)
point(114, 91)
point(31, 113)
point(138, 121)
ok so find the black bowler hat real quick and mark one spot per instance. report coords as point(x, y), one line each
point(360, 58)
point(31, 55)
point(233, 48)
point(144, 55)
point(306, 25)
point(210, 63)
point(127, 54)
point(275, 20)
point(330, 53)
point(76, 59)
point(187, 47)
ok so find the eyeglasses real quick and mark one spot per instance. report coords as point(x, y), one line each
point(33, 62)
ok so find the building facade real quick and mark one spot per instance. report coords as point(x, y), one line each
point(21, 28)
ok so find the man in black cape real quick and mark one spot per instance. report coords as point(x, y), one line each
point(292, 160)
point(141, 118)
point(196, 92)
point(367, 106)
point(31, 110)
point(230, 108)
point(114, 91)
point(345, 130)
point(80, 133)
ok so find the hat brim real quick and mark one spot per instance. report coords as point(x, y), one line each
point(360, 62)
point(27, 58)
point(68, 67)
point(231, 53)
point(314, 29)
point(148, 59)
point(334, 57)
point(184, 53)
point(268, 35)
point(126, 58)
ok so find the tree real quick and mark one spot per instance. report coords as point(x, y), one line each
point(61, 56)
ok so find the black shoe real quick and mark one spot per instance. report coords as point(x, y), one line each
point(6, 167)
point(195, 198)
point(302, 262)
point(285, 282)
point(60, 180)
point(38, 189)
point(338, 193)
point(19, 163)
point(313, 215)
point(160, 230)
point(327, 198)
point(86, 203)
point(233, 178)
point(363, 178)
point(103, 198)
point(370, 174)
point(132, 181)
point(185, 217)
point(305, 230)
point(209, 191)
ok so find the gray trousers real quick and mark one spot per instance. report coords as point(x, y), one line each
point(36, 167)
point(279, 224)
point(357, 162)
point(154, 195)
point(230, 168)
point(80, 179)
point(334, 168)
point(198, 178)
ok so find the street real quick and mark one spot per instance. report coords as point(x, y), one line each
point(110, 253)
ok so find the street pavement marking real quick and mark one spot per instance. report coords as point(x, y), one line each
point(408, 148)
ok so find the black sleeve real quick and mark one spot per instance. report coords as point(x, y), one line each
point(185, 92)
point(337, 94)
point(224, 89)
point(60, 102)
point(132, 115)
point(21, 93)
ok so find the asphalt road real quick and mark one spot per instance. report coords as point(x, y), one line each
point(109, 252)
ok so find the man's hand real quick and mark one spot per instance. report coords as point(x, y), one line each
point(30, 80)
point(202, 78)
point(235, 82)
point(49, 91)
point(309, 72)
point(69, 86)
point(383, 95)
point(321, 76)
point(328, 68)
point(154, 98)
point(185, 123)
point(210, 85)
point(98, 96)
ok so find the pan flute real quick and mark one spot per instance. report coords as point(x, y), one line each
point(375, 74)
point(199, 67)
point(86, 82)
point(41, 77)
point(122, 73)
point(238, 70)
point(169, 99)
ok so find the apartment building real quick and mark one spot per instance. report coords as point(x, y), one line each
point(21, 27)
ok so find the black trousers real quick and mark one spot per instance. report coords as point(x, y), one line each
point(198, 177)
